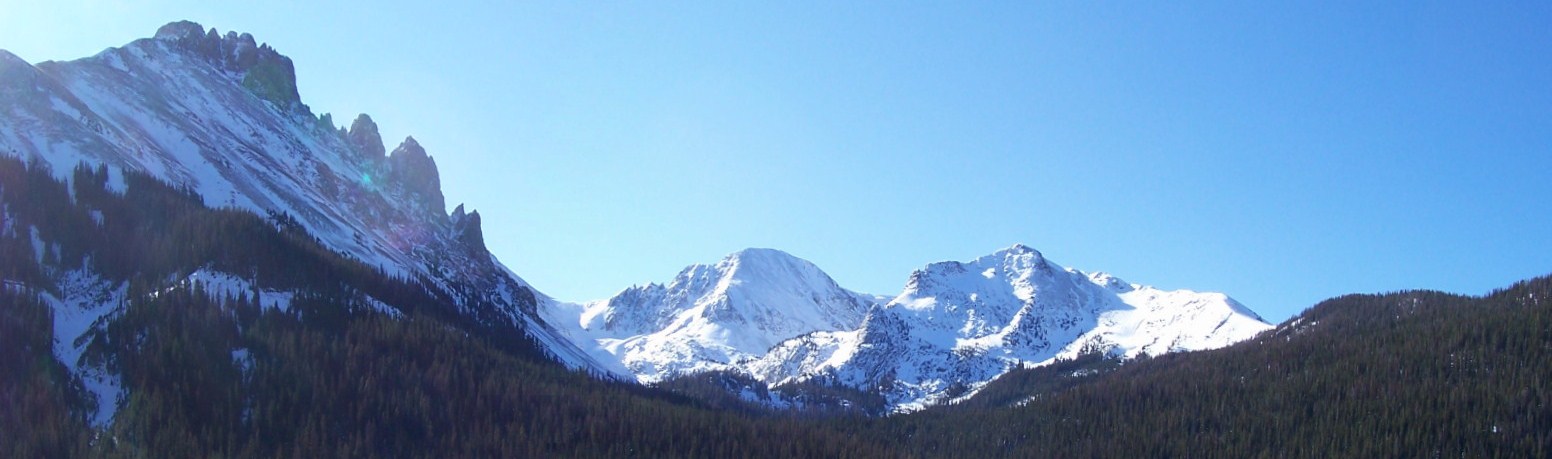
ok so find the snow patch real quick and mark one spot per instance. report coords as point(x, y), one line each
point(38, 247)
point(219, 284)
point(243, 360)
point(84, 300)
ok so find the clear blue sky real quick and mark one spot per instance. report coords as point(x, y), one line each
point(1282, 153)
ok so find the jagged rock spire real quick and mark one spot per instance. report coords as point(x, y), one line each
point(466, 228)
point(364, 137)
point(410, 167)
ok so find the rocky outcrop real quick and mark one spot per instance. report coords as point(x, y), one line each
point(268, 74)
point(466, 230)
point(364, 137)
point(412, 169)
point(19, 76)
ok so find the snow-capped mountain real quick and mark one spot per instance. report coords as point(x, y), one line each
point(959, 325)
point(220, 115)
point(712, 317)
point(955, 327)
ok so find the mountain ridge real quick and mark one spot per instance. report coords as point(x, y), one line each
point(711, 316)
point(219, 118)
point(954, 327)
point(959, 325)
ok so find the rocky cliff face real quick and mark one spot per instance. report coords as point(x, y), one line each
point(365, 139)
point(265, 72)
point(415, 172)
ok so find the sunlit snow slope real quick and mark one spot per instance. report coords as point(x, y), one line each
point(955, 327)
point(712, 317)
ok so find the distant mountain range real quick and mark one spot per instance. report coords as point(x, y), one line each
point(955, 327)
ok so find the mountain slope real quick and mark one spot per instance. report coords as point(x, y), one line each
point(184, 107)
point(712, 317)
point(219, 118)
point(958, 325)
point(955, 327)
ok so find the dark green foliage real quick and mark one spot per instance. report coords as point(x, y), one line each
point(174, 351)
point(817, 397)
point(1020, 385)
point(720, 390)
point(42, 412)
point(378, 386)
point(824, 395)
point(42, 407)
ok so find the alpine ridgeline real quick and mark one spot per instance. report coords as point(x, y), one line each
point(712, 317)
point(955, 327)
point(219, 116)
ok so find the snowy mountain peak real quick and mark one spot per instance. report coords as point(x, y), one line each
point(762, 264)
point(958, 325)
point(710, 317)
point(763, 255)
point(1017, 250)
point(410, 146)
point(1106, 280)
point(1013, 272)
point(8, 61)
point(954, 327)
point(180, 30)
point(17, 73)
point(1018, 261)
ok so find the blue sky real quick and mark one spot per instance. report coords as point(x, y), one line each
point(1282, 153)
